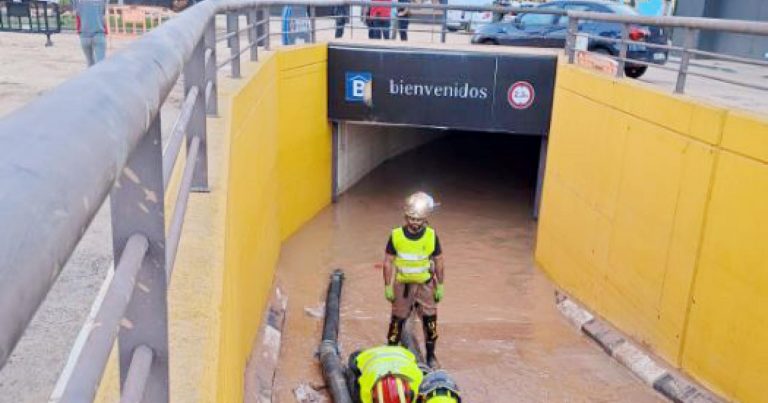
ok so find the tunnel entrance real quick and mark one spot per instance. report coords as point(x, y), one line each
point(432, 156)
point(439, 161)
point(500, 335)
point(421, 94)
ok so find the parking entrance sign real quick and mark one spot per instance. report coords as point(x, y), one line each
point(457, 89)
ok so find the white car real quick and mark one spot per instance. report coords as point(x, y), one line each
point(468, 20)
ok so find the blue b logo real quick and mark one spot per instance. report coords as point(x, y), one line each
point(356, 82)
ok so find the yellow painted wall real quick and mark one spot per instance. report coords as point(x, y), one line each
point(636, 178)
point(270, 172)
point(303, 114)
point(279, 177)
point(728, 325)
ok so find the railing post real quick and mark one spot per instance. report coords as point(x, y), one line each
point(267, 27)
point(623, 49)
point(312, 24)
point(55, 7)
point(194, 76)
point(234, 43)
point(136, 383)
point(444, 27)
point(211, 97)
point(260, 28)
point(682, 74)
point(137, 204)
point(570, 45)
point(395, 27)
point(253, 19)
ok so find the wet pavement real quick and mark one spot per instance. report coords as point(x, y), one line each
point(500, 334)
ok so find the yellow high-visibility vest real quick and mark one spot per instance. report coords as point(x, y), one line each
point(374, 363)
point(412, 260)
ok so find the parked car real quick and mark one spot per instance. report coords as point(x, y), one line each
point(520, 4)
point(550, 30)
point(468, 20)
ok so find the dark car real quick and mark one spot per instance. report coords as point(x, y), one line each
point(550, 30)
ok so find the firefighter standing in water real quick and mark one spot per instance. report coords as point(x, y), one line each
point(414, 273)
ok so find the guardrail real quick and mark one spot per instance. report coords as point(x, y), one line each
point(33, 16)
point(60, 160)
point(60, 169)
point(437, 22)
point(692, 27)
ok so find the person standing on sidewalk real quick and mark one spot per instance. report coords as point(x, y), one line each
point(377, 17)
point(341, 15)
point(403, 18)
point(92, 27)
point(414, 273)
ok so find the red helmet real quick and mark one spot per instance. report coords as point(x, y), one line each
point(392, 389)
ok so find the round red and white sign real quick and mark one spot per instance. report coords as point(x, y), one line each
point(520, 95)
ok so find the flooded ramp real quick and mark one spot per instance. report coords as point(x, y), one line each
point(500, 334)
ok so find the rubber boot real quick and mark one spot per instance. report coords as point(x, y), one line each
point(395, 332)
point(430, 338)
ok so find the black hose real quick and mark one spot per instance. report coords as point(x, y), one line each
point(333, 370)
point(332, 305)
point(409, 341)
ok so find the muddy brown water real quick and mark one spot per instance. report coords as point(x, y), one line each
point(501, 336)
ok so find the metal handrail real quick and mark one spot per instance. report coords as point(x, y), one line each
point(171, 151)
point(138, 375)
point(177, 222)
point(720, 56)
point(691, 25)
point(227, 36)
point(208, 91)
point(93, 358)
point(713, 55)
point(72, 166)
point(734, 26)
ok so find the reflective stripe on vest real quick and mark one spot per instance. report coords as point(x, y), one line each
point(376, 362)
point(413, 270)
point(412, 260)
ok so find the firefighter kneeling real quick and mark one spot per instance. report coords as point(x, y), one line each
point(391, 374)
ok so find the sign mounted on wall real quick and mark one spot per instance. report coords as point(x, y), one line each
point(597, 62)
point(296, 25)
point(521, 95)
point(500, 92)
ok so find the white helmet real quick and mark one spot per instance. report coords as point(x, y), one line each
point(419, 205)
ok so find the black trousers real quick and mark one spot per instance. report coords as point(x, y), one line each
point(378, 28)
point(340, 22)
point(402, 27)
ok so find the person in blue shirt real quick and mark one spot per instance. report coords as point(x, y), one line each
point(92, 27)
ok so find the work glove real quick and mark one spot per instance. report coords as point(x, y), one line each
point(439, 291)
point(389, 293)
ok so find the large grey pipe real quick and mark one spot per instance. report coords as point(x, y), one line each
point(60, 156)
point(333, 370)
